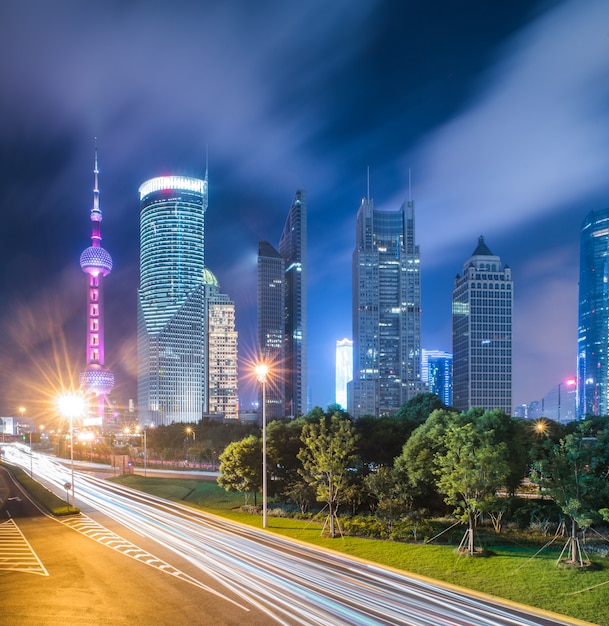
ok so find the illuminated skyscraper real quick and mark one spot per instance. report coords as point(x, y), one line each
point(293, 249)
point(386, 311)
point(344, 370)
point(184, 322)
point(271, 324)
point(437, 372)
point(482, 333)
point(593, 323)
point(282, 313)
point(96, 379)
point(221, 351)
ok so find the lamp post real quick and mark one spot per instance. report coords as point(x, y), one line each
point(145, 452)
point(261, 373)
point(31, 457)
point(71, 406)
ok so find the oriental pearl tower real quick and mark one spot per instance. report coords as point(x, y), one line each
point(96, 379)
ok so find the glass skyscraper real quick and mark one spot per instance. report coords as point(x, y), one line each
point(593, 323)
point(437, 372)
point(482, 333)
point(282, 314)
point(271, 324)
point(386, 311)
point(177, 296)
point(344, 370)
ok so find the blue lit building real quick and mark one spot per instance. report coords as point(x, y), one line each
point(593, 322)
point(282, 314)
point(386, 312)
point(437, 372)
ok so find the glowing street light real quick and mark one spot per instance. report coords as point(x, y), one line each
point(262, 371)
point(71, 405)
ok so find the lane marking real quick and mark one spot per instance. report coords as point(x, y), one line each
point(93, 530)
point(16, 553)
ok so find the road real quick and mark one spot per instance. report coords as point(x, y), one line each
point(289, 583)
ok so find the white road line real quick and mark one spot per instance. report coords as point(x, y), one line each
point(90, 528)
point(16, 553)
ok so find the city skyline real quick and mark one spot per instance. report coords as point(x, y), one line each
point(497, 112)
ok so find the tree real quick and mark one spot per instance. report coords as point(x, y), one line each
point(470, 470)
point(390, 488)
point(328, 452)
point(380, 439)
point(573, 474)
point(419, 408)
point(283, 445)
point(241, 466)
point(418, 456)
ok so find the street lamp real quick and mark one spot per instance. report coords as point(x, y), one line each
point(71, 405)
point(144, 430)
point(262, 371)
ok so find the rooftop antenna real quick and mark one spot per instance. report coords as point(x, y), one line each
point(206, 160)
point(368, 184)
point(409, 186)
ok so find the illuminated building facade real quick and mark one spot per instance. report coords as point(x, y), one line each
point(271, 324)
point(482, 304)
point(282, 314)
point(221, 351)
point(386, 311)
point(560, 402)
point(96, 380)
point(593, 314)
point(437, 372)
point(293, 249)
point(344, 370)
point(182, 317)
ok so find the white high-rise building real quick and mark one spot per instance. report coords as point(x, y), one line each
point(344, 370)
point(482, 303)
point(184, 323)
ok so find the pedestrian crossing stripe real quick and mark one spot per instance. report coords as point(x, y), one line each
point(16, 553)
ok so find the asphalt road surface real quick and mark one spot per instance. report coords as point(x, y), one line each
point(52, 574)
point(232, 573)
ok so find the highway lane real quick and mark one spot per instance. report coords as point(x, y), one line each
point(50, 574)
point(291, 583)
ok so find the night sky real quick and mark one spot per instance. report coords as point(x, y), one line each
point(498, 110)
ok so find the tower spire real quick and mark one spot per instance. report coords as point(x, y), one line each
point(96, 379)
point(95, 211)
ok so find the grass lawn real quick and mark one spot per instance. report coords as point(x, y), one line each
point(509, 572)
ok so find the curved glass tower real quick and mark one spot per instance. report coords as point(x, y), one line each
point(171, 315)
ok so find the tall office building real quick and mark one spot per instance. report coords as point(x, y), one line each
point(593, 323)
point(182, 317)
point(293, 249)
point(386, 311)
point(221, 351)
point(282, 313)
point(344, 370)
point(559, 403)
point(437, 372)
point(271, 324)
point(96, 380)
point(482, 333)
